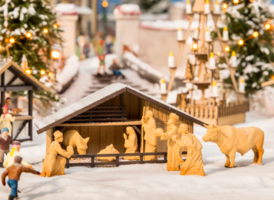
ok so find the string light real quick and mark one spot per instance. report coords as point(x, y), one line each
point(218, 53)
point(55, 26)
point(0, 47)
point(267, 26)
point(227, 49)
point(255, 34)
point(240, 42)
point(28, 35)
point(12, 40)
point(235, 1)
point(51, 75)
point(45, 30)
point(224, 5)
point(28, 71)
point(42, 72)
point(55, 54)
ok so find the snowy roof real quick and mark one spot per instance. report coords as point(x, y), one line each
point(72, 9)
point(100, 97)
point(16, 69)
point(127, 9)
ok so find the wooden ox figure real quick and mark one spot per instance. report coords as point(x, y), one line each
point(231, 140)
point(74, 139)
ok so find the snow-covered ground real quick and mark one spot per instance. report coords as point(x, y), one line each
point(152, 181)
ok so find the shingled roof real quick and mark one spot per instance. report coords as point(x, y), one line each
point(100, 97)
point(20, 73)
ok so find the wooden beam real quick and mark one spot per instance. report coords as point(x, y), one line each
point(20, 129)
point(137, 129)
point(128, 123)
point(2, 91)
point(17, 88)
point(23, 118)
point(13, 79)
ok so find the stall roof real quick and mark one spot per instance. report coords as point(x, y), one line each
point(100, 97)
point(17, 70)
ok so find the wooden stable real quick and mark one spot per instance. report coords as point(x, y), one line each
point(104, 115)
point(14, 79)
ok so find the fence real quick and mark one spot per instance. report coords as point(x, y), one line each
point(213, 112)
point(117, 162)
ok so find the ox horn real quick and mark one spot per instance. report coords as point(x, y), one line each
point(206, 126)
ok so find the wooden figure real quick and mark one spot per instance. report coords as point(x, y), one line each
point(74, 139)
point(231, 140)
point(6, 119)
point(5, 141)
point(9, 161)
point(189, 74)
point(194, 164)
point(108, 150)
point(54, 165)
point(150, 138)
point(14, 172)
point(15, 111)
point(171, 135)
point(131, 144)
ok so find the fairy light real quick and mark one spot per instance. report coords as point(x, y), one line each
point(235, 1)
point(240, 42)
point(227, 49)
point(55, 26)
point(42, 72)
point(28, 71)
point(55, 54)
point(28, 35)
point(1, 47)
point(105, 4)
point(12, 40)
point(267, 26)
point(224, 5)
point(195, 46)
point(45, 30)
point(255, 34)
point(218, 53)
point(51, 75)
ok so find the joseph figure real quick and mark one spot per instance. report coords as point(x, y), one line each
point(171, 136)
point(150, 137)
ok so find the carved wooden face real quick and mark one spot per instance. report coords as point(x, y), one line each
point(82, 148)
point(211, 133)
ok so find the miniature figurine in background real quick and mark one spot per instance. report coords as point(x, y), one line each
point(15, 111)
point(101, 55)
point(115, 68)
point(131, 144)
point(189, 74)
point(15, 152)
point(14, 172)
point(194, 164)
point(74, 139)
point(82, 48)
point(6, 119)
point(5, 141)
point(231, 140)
point(53, 164)
point(171, 136)
point(149, 127)
point(108, 150)
point(109, 44)
point(96, 42)
point(24, 63)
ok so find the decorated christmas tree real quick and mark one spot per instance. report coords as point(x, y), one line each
point(250, 33)
point(29, 29)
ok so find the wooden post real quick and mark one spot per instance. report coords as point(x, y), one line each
point(30, 93)
point(94, 16)
point(142, 133)
point(3, 92)
point(49, 139)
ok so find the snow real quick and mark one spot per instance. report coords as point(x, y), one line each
point(70, 70)
point(65, 9)
point(153, 181)
point(127, 9)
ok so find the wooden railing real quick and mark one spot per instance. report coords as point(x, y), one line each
point(117, 162)
point(212, 112)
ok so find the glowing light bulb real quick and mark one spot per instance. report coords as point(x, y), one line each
point(28, 71)
point(55, 54)
point(105, 4)
point(227, 48)
point(195, 46)
point(218, 53)
point(1, 47)
point(235, 1)
point(28, 35)
point(42, 72)
point(45, 30)
point(12, 40)
point(240, 42)
point(255, 34)
point(224, 5)
point(267, 26)
point(55, 26)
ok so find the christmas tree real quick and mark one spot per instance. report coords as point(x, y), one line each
point(250, 29)
point(29, 29)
